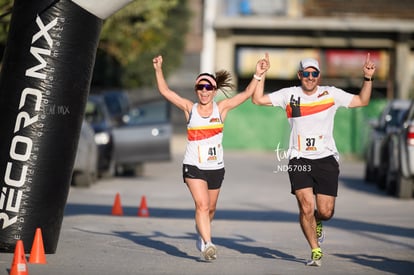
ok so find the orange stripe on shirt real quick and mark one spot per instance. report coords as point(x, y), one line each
point(313, 108)
point(199, 133)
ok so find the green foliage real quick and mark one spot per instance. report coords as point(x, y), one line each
point(129, 40)
point(5, 15)
point(134, 35)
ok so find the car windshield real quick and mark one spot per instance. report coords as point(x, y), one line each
point(92, 113)
point(395, 117)
point(117, 103)
point(151, 112)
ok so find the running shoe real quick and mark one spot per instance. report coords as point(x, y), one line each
point(200, 242)
point(319, 232)
point(210, 252)
point(316, 258)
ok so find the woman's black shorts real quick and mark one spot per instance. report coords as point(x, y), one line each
point(214, 178)
point(320, 174)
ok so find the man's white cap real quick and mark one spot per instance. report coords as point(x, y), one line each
point(308, 62)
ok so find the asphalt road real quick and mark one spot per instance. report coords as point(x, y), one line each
point(256, 229)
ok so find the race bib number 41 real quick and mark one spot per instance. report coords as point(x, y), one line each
point(310, 143)
point(210, 153)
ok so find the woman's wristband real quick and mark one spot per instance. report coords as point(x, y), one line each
point(257, 77)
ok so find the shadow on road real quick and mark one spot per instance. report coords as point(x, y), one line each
point(239, 244)
point(247, 215)
point(361, 185)
point(383, 264)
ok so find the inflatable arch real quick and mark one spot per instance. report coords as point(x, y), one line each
point(44, 84)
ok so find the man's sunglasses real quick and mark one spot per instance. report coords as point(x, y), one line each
point(208, 87)
point(307, 74)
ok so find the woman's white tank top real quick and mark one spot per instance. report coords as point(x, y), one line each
point(204, 140)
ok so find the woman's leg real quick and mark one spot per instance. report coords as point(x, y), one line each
point(200, 193)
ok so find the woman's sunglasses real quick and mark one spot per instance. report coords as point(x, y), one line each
point(208, 87)
point(307, 74)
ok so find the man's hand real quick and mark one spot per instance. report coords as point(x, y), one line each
point(263, 65)
point(369, 67)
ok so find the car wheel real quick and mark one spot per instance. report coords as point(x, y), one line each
point(111, 171)
point(94, 177)
point(132, 170)
point(404, 187)
point(390, 183)
point(369, 174)
point(139, 169)
point(81, 180)
point(384, 169)
point(390, 177)
point(381, 177)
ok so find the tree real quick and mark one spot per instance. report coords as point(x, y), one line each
point(129, 40)
point(5, 15)
point(134, 35)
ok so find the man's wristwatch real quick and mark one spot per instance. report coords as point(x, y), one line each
point(368, 78)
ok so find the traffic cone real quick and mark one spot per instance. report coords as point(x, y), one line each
point(143, 209)
point(19, 264)
point(117, 207)
point(37, 254)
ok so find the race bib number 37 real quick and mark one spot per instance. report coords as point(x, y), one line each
point(310, 143)
point(210, 153)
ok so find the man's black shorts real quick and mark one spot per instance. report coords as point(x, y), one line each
point(214, 178)
point(320, 174)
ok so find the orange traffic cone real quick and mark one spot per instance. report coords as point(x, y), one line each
point(37, 254)
point(19, 265)
point(117, 207)
point(143, 209)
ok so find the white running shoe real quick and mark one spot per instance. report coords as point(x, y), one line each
point(317, 263)
point(210, 252)
point(316, 258)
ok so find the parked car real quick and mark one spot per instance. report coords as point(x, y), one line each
point(144, 136)
point(85, 169)
point(97, 115)
point(387, 122)
point(118, 104)
point(127, 141)
point(399, 165)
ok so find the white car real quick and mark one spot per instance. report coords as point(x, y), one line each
point(85, 169)
point(144, 136)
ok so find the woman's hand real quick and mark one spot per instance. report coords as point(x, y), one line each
point(157, 62)
point(263, 65)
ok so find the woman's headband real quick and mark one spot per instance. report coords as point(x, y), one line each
point(208, 78)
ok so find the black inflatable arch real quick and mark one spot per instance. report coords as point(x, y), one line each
point(44, 83)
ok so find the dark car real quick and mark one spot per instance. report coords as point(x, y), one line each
point(97, 115)
point(399, 164)
point(117, 104)
point(387, 122)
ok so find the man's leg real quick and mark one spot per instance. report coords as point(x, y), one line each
point(325, 206)
point(306, 204)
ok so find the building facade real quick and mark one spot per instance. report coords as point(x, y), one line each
point(338, 33)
